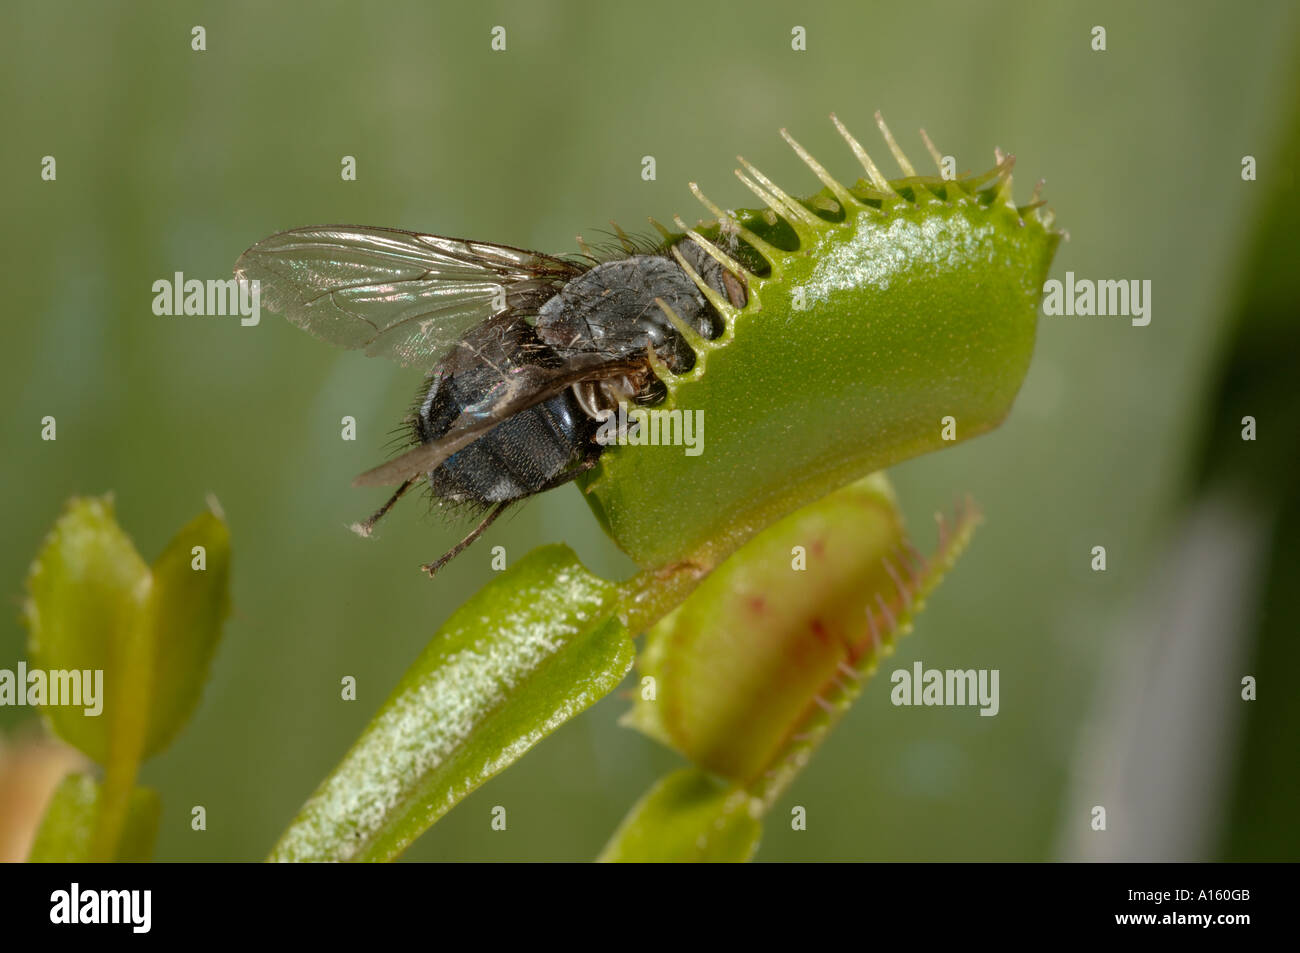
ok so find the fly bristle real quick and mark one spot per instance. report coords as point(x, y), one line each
point(628, 245)
point(619, 244)
point(662, 230)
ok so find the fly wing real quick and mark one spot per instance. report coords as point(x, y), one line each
point(392, 293)
point(520, 388)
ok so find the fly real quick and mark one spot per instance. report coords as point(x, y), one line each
point(524, 351)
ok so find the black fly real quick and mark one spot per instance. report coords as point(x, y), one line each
point(526, 349)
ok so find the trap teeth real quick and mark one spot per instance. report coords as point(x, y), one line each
point(874, 175)
point(899, 155)
point(841, 194)
point(935, 154)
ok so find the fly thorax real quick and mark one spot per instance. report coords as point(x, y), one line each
point(612, 309)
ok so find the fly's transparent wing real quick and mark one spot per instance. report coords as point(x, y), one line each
point(520, 388)
point(396, 294)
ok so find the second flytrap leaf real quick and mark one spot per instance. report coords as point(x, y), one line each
point(781, 634)
point(188, 603)
point(750, 673)
point(123, 649)
point(530, 650)
point(85, 609)
point(143, 636)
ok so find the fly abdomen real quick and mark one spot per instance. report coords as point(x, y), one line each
point(521, 456)
point(525, 453)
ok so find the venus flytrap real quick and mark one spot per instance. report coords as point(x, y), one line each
point(862, 326)
point(881, 320)
point(874, 312)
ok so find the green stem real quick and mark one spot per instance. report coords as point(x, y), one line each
point(135, 672)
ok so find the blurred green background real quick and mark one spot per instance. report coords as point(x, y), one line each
point(1116, 689)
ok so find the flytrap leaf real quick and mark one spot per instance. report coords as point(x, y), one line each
point(67, 831)
point(134, 642)
point(94, 606)
point(85, 613)
point(527, 652)
point(186, 609)
point(755, 667)
point(883, 320)
point(687, 817)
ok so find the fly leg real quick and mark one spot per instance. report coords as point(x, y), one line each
point(368, 527)
point(464, 544)
point(497, 510)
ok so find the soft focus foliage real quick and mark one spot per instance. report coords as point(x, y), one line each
point(172, 160)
